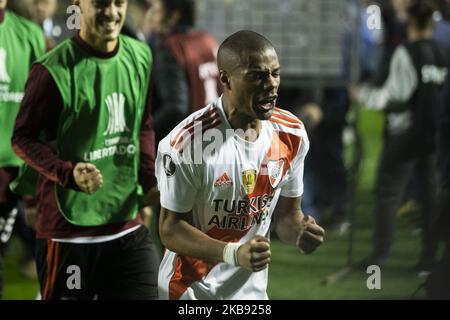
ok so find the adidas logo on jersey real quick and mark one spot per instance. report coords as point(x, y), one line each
point(224, 180)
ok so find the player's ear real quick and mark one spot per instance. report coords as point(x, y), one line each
point(224, 79)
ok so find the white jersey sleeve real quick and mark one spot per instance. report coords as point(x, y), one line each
point(178, 179)
point(294, 186)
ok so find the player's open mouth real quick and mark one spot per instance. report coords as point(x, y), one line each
point(267, 104)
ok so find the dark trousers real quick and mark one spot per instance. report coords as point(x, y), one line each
point(397, 165)
point(438, 283)
point(121, 269)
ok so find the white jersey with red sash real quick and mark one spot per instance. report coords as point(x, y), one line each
point(232, 187)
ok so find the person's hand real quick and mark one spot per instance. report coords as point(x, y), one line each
point(254, 255)
point(311, 237)
point(313, 113)
point(87, 177)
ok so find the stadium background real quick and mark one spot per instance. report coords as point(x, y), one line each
point(310, 40)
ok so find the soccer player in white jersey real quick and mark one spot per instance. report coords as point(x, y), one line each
point(225, 173)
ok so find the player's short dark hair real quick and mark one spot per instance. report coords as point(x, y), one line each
point(239, 42)
point(186, 8)
point(420, 13)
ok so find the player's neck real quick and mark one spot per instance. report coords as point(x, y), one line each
point(98, 44)
point(237, 120)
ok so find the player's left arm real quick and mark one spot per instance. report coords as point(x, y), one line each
point(294, 227)
point(291, 225)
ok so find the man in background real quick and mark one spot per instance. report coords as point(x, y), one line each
point(410, 98)
point(185, 64)
point(90, 138)
point(21, 43)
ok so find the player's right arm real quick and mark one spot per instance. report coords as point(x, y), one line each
point(178, 235)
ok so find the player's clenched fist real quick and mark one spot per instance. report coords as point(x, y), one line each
point(87, 177)
point(311, 236)
point(254, 255)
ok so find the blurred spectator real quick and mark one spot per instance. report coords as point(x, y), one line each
point(441, 31)
point(393, 13)
point(185, 64)
point(438, 284)
point(326, 159)
point(410, 99)
point(24, 8)
point(395, 20)
point(21, 43)
point(441, 34)
point(136, 24)
point(45, 10)
point(43, 15)
point(40, 12)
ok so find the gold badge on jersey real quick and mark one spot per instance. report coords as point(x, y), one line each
point(249, 180)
